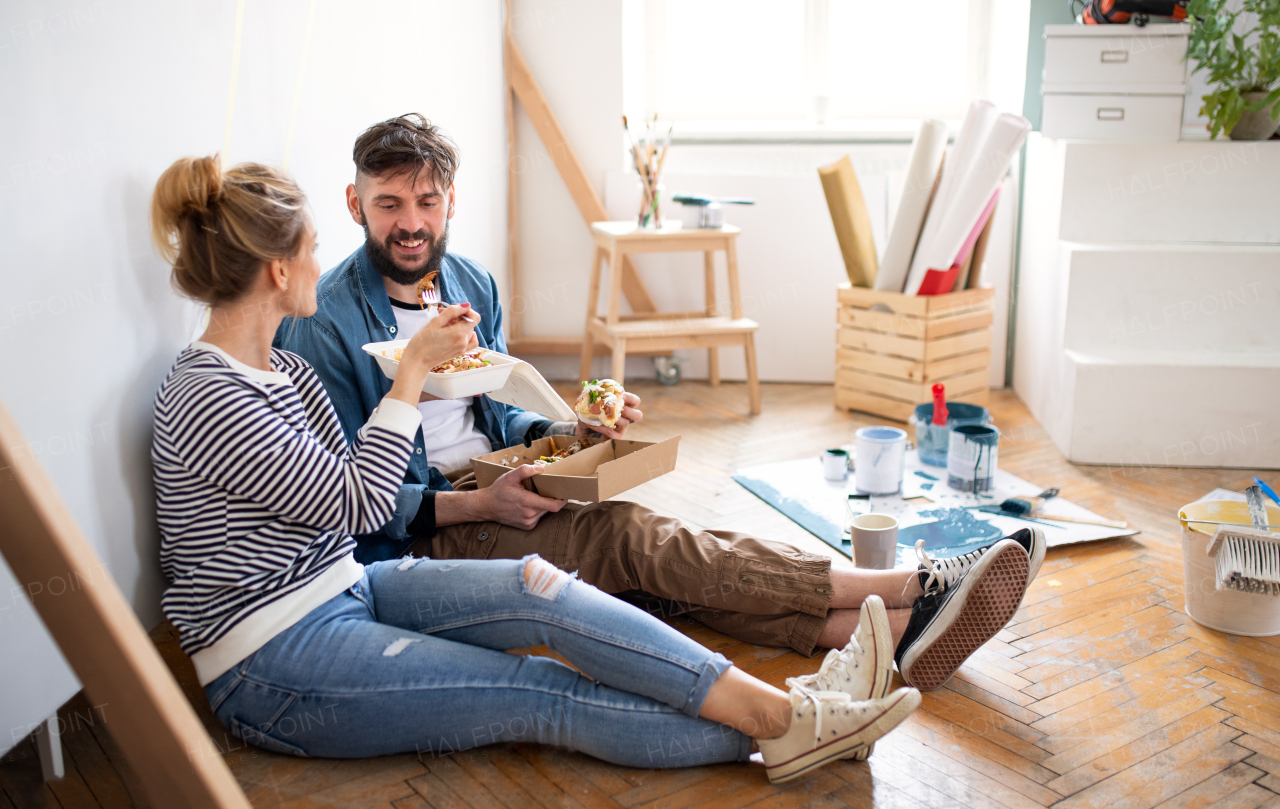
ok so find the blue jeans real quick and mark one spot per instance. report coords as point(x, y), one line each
point(412, 657)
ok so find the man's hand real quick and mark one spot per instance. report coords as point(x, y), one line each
point(443, 338)
point(630, 413)
point(507, 501)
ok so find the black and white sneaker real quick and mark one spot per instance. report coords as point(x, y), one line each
point(963, 607)
point(1031, 540)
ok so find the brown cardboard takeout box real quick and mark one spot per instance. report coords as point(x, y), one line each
point(594, 474)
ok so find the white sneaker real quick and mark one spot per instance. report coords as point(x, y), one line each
point(828, 725)
point(863, 669)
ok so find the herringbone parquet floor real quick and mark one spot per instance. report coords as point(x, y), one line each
point(1100, 693)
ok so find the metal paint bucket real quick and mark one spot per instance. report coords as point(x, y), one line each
point(971, 457)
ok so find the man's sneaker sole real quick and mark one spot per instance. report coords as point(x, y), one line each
point(884, 675)
point(989, 595)
point(884, 722)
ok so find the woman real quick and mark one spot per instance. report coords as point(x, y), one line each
point(302, 650)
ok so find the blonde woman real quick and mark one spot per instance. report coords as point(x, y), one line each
point(303, 650)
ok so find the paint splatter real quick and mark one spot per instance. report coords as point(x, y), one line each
point(951, 530)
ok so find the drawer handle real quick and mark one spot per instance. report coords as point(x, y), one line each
point(1110, 113)
point(1110, 57)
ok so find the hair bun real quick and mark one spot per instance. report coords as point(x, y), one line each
point(188, 188)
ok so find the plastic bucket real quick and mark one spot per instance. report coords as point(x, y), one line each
point(1230, 611)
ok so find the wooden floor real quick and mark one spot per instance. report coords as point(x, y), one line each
point(1101, 693)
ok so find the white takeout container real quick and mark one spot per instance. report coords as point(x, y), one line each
point(457, 385)
point(509, 380)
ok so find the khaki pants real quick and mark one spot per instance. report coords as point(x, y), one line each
point(755, 590)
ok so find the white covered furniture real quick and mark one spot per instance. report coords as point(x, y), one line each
point(1148, 303)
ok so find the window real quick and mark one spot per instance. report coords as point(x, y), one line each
point(826, 60)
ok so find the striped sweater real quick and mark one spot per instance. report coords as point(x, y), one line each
point(257, 496)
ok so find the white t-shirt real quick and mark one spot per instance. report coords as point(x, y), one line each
point(448, 425)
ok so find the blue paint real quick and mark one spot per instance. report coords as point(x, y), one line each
point(925, 475)
point(948, 535)
point(797, 512)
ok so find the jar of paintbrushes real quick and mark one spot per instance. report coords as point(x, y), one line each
point(649, 157)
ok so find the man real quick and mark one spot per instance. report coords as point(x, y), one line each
point(753, 589)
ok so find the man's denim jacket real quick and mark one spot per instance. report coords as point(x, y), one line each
point(352, 309)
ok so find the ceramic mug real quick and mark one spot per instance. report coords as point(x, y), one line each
point(835, 464)
point(875, 541)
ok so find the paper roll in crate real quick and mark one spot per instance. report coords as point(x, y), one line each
point(891, 348)
point(1231, 611)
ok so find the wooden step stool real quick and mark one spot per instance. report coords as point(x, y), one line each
point(663, 332)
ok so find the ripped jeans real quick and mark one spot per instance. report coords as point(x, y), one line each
point(412, 658)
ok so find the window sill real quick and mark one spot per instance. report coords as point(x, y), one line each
point(719, 133)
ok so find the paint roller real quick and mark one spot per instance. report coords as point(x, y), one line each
point(1247, 558)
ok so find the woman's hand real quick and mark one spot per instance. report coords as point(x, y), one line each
point(449, 334)
point(630, 413)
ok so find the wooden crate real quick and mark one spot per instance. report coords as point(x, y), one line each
point(888, 361)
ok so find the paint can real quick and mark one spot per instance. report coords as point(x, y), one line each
point(881, 457)
point(875, 541)
point(972, 457)
point(934, 440)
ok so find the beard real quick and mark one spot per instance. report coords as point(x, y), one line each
point(384, 260)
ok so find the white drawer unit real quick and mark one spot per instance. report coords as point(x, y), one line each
point(1114, 82)
point(1112, 117)
point(1115, 56)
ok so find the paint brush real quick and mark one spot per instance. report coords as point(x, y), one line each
point(1267, 490)
point(940, 405)
point(662, 158)
point(644, 179)
point(627, 128)
point(1247, 558)
point(1032, 505)
point(1017, 515)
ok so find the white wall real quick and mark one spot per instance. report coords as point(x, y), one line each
point(99, 98)
point(573, 48)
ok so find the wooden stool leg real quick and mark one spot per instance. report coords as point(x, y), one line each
point(619, 359)
point(593, 295)
point(588, 351)
point(753, 378)
point(709, 275)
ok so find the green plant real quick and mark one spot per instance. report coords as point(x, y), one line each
point(1239, 48)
